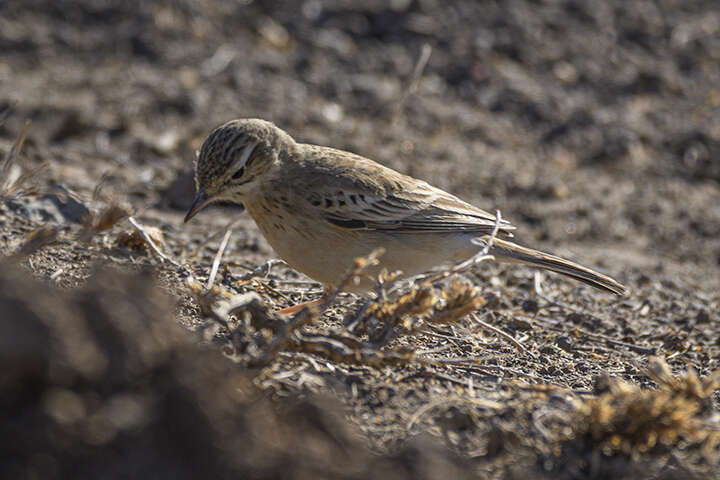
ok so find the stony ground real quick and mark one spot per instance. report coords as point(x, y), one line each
point(594, 126)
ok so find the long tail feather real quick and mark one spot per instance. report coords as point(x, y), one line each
point(511, 252)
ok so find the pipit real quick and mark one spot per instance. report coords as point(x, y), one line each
point(320, 208)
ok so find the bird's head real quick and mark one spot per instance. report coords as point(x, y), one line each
point(237, 157)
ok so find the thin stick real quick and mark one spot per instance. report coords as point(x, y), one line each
point(676, 354)
point(56, 274)
point(537, 283)
point(503, 334)
point(463, 266)
point(300, 283)
point(218, 257)
point(212, 237)
point(12, 185)
point(552, 302)
point(149, 241)
point(425, 53)
point(414, 80)
point(368, 261)
point(593, 336)
point(16, 147)
point(493, 234)
point(425, 409)
point(264, 269)
point(478, 402)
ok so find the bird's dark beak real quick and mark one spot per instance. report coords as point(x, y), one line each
point(200, 202)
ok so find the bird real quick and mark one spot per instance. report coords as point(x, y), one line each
point(320, 208)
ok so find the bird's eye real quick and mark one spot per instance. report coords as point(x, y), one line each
point(253, 156)
point(239, 173)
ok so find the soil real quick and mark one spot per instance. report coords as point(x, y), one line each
point(593, 126)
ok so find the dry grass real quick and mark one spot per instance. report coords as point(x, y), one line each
point(14, 180)
point(103, 221)
point(627, 420)
point(397, 308)
point(537, 110)
point(17, 181)
point(626, 423)
point(37, 239)
point(255, 335)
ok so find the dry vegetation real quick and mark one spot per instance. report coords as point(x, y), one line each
point(133, 346)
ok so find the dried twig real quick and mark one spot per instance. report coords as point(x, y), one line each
point(596, 337)
point(465, 265)
point(105, 220)
point(390, 314)
point(14, 183)
point(213, 236)
point(285, 334)
point(9, 159)
point(500, 332)
point(414, 81)
point(97, 194)
point(460, 298)
point(152, 245)
point(37, 239)
point(282, 337)
point(359, 267)
point(310, 313)
point(391, 317)
point(218, 257)
point(628, 420)
point(385, 317)
point(260, 316)
point(336, 350)
point(477, 402)
point(263, 269)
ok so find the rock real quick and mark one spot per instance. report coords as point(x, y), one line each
point(181, 192)
point(51, 207)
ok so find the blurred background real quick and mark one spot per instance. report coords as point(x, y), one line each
point(593, 125)
point(587, 123)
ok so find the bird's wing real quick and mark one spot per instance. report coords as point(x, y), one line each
point(419, 208)
point(357, 193)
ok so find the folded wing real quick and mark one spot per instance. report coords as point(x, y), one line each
point(422, 208)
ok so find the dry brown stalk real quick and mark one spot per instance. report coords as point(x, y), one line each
point(397, 309)
point(459, 299)
point(630, 421)
point(37, 239)
point(14, 182)
point(103, 221)
point(152, 244)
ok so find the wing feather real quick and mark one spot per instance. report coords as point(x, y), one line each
point(410, 212)
point(369, 196)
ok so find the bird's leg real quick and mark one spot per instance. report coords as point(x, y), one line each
point(296, 308)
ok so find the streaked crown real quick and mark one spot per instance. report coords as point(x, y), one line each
point(234, 144)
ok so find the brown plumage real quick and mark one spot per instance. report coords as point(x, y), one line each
point(320, 208)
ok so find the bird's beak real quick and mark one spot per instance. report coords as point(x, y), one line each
point(201, 201)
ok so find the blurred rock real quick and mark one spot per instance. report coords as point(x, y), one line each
point(103, 383)
point(181, 192)
point(56, 208)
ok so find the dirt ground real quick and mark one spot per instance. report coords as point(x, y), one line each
point(593, 126)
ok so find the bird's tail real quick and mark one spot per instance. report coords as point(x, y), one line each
point(505, 251)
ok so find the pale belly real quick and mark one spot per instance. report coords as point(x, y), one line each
point(326, 254)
